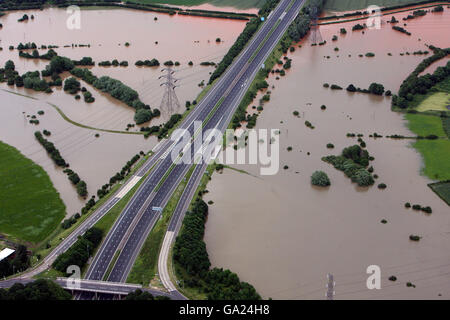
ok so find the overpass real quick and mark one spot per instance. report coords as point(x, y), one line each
point(96, 287)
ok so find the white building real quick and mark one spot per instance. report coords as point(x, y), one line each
point(5, 253)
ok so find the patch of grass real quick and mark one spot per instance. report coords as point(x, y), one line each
point(146, 265)
point(425, 101)
point(442, 189)
point(436, 153)
point(446, 125)
point(30, 206)
point(436, 101)
point(424, 125)
point(436, 156)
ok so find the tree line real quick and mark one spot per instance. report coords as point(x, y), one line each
point(415, 84)
point(78, 254)
point(40, 290)
point(191, 255)
point(249, 30)
point(55, 155)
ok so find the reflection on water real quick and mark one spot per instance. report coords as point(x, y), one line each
point(283, 235)
point(180, 38)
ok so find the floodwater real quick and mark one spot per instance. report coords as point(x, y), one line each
point(283, 235)
point(210, 7)
point(179, 38)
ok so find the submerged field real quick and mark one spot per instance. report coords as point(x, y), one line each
point(345, 5)
point(30, 207)
point(283, 235)
point(239, 4)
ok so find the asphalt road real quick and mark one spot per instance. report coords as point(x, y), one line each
point(131, 229)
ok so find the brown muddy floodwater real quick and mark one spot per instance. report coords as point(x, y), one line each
point(179, 38)
point(282, 235)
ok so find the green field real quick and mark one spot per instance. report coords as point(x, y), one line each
point(347, 5)
point(436, 155)
point(424, 125)
point(30, 207)
point(442, 189)
point(437, 98)
point(446, 126)
point(437, 101)
point(238, 4)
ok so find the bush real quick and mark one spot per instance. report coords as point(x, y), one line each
point(320, 178)
point(142, 116)
point(382, 186)
point(376, 88)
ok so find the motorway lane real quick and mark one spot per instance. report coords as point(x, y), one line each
point(108, 249)
point(135, 242)
point(188, 194)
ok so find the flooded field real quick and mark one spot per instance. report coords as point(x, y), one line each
point(179, 38)
point(283, 235)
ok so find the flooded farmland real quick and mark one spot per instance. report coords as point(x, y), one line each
point(283, 235)
point(150, 35)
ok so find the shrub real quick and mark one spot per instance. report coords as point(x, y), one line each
point(142, 116)
point(382, 186)
point(363, 178)
point(414, 237)
point(330, 146)
point(335, 87)
point(320, 178)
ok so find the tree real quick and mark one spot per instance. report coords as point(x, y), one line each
point(40, 289)
point(320, 178)
point(139, 295)
point(72, 85)
point(81, 188)
point(142, 116)
point(9, 65)
point(351, 88)
point(376, 88)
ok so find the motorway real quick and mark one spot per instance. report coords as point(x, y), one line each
point(191, 187)
point(118, 252)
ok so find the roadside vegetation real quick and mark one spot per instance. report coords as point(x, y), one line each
point(192, 261)
point(39, 290)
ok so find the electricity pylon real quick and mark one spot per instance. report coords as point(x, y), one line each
point(170, 101)
point(330, 287)
point(316, 36)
